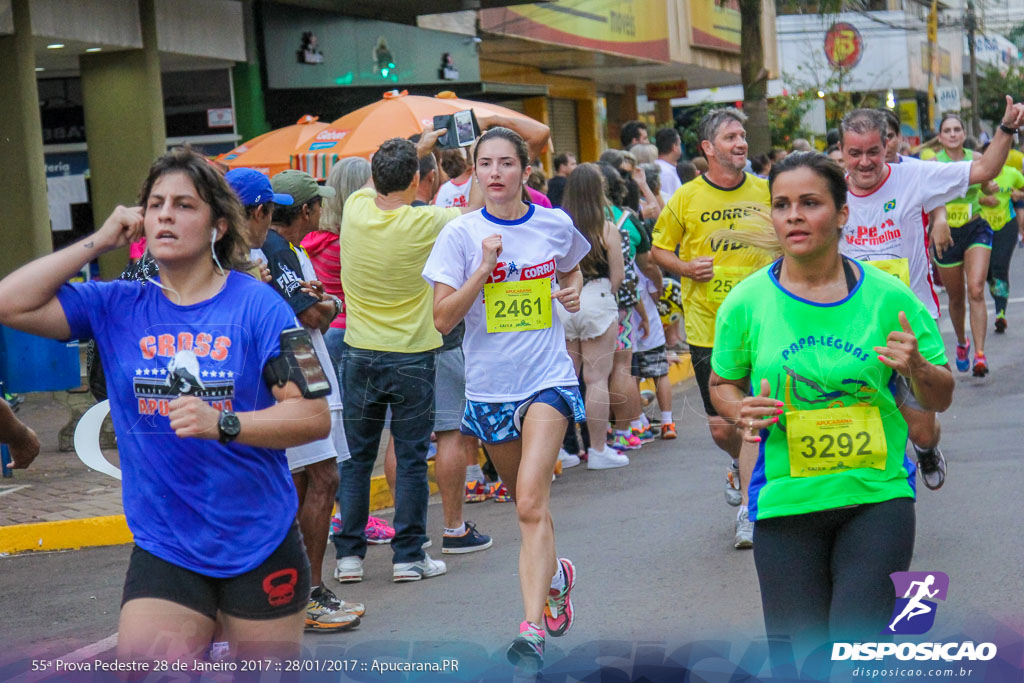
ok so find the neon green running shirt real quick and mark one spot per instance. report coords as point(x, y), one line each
point(819, 357)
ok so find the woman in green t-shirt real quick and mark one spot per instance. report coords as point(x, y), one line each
point(830, 348)
point(999, 212)
point(963, 265)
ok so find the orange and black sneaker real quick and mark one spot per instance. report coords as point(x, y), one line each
point(980, 365)
point(668, 431)
point(325, 612)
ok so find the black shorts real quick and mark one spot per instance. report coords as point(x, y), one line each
point(700, 356)
point(976, 233)
point(650, 364)
point(279, 587)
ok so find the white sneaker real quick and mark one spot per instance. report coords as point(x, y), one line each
point(414, 571)
point(567, 459)
point(605, 459)
point(349, 569)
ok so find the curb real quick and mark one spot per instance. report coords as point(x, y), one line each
point(73, 534)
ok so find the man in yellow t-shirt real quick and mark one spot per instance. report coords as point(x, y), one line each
point(710, 265)
point(389, 353)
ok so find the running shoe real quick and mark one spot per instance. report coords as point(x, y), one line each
point(559, 615)
point(980, 365)
point(963, 356)
point(476, 492)
point(733, 495)
point(621, 442)
point(527, 650)
point(668, 431)
point(744, 538)
point(933, 467)
point(324, 614)
point(1000, 324)
point(414, 571)
point(349, 569)
point(378, 532)
point(469, 542)
point(645, 436)
point(499, 493)
point(567, 459)
point(606, 459)
point(329, 598)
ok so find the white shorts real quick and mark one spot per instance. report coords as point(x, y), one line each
point(334, 446)
point(598, 311)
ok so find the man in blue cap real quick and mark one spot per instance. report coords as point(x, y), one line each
point(258, 198)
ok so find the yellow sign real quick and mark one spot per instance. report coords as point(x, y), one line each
point(724, 279)
point(909, 121)
point(634, 28)
point(666, 91)
point(958, 213)
point(835, 440)
point(715, 24)
point(899, 267)
point(518, 306)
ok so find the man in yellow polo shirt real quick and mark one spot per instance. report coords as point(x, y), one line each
point(710, 265)
point(389, 353)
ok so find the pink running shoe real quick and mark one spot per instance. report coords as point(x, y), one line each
point(558, 613)
point(378, 532)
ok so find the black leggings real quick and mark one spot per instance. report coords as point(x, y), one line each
point(1004, 243)
point(825, 575)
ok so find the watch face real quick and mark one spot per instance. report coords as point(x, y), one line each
point(229, 424)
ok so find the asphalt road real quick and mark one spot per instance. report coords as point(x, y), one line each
point(652, 545)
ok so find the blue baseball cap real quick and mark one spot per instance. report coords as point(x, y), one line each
point(254, 188)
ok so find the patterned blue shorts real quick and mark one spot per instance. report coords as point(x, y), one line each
point(502, 422)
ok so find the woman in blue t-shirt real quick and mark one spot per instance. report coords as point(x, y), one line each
point(206, 488)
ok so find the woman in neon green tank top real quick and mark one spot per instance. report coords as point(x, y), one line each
point(966, 261)
point(822, 343)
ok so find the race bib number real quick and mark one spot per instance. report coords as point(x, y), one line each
point(518, 306)
point(898, 267)
point(835, 440)
point(958, 214)
point(996, 218)
point(724, 279)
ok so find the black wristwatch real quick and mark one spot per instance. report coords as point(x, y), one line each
point(229, 426)
point(1006, 129)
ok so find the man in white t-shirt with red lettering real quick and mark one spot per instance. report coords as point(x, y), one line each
point(886, 228)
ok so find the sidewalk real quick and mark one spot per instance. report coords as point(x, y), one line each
point(58, 503)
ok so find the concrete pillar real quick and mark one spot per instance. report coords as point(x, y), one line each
point(25, 229)
point(590, 135)
point(250, 111)
point(124, 124)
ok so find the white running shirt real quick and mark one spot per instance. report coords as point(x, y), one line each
point(450, 194)
point(888, 223)
point(510, 366)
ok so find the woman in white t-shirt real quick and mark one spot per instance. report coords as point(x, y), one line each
point(520, 383)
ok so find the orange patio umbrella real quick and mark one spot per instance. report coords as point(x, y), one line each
point(271, 152)
point(397, 115)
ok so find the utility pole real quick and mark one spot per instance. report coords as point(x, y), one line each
point(971, 21)
point(933, 61)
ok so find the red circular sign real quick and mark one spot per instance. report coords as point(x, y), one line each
point(843, 45)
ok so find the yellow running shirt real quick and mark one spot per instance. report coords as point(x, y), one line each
point(692, 215)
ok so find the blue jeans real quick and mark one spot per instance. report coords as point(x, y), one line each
point(334, 338)
point(372, 381)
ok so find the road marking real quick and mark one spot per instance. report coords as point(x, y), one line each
point(11, 489)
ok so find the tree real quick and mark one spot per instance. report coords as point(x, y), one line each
point(754, 77)
point(753, 74)
point(993, 87)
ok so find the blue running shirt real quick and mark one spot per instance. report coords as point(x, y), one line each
point(216, 509)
